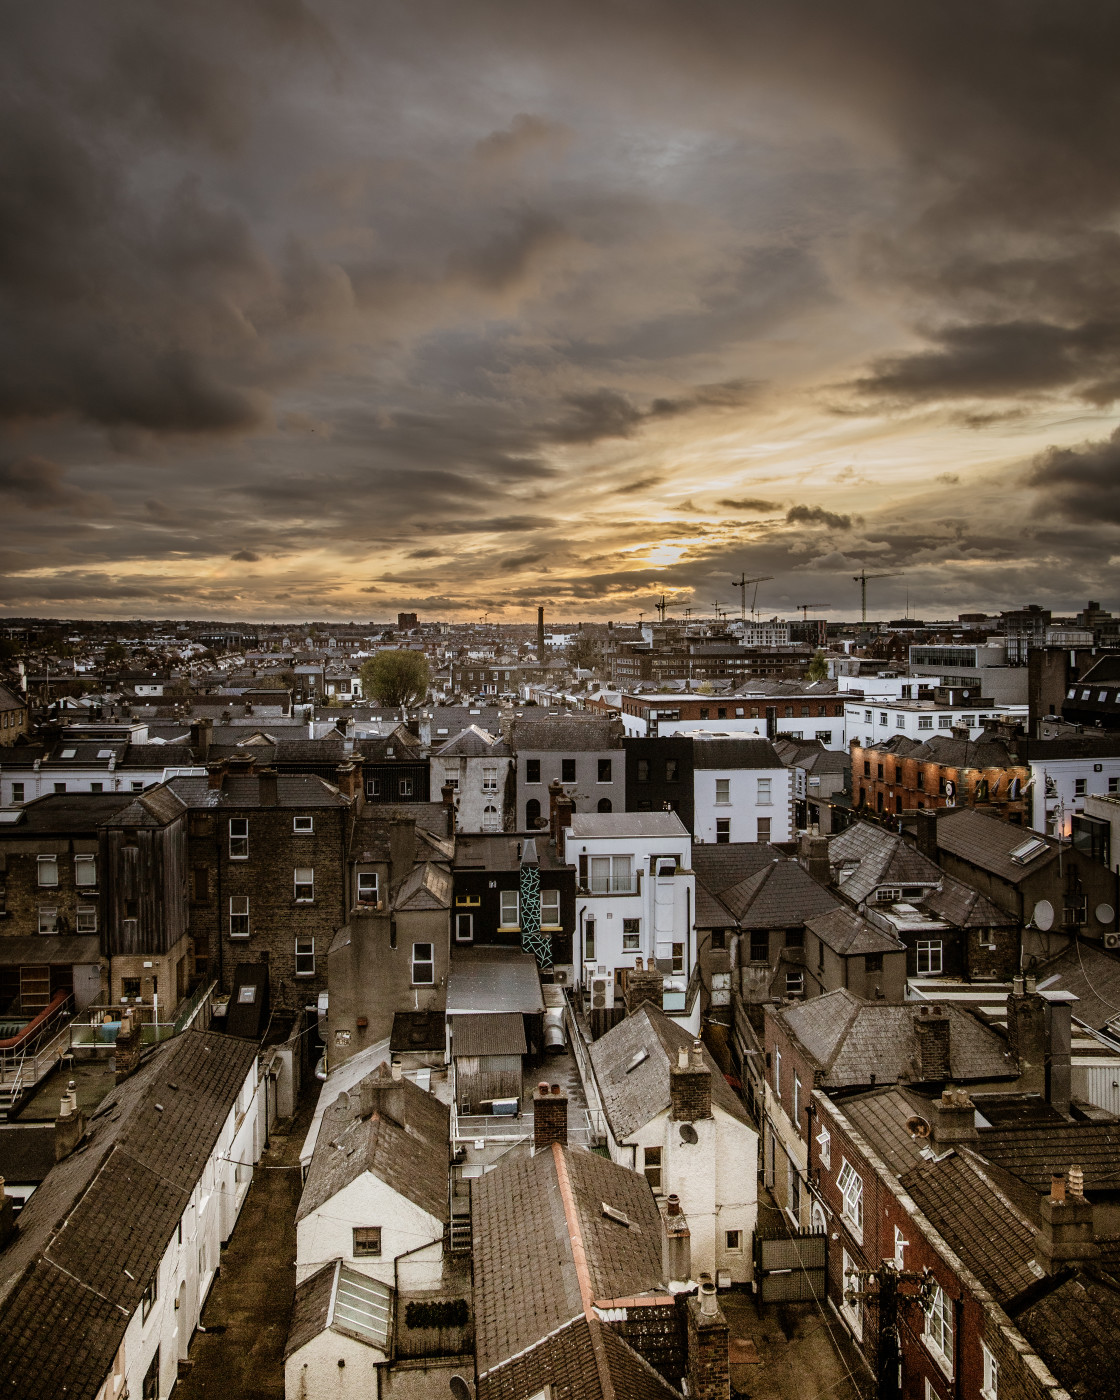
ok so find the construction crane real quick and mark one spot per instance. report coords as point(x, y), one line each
point(741, 584)
point(803, 609)
point(862, 579)
point(661, 606)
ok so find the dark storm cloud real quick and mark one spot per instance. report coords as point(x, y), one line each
point(817, 515)
point(246, 556)
point(1081, 484)
point(751, 505)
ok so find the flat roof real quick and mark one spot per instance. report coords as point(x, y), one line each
point(627, 824)
point(493, 979)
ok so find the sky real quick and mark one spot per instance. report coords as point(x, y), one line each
point(330, 308)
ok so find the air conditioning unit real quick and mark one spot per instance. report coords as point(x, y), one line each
point(560, 977)
point(1112, 940)
point(602, 993)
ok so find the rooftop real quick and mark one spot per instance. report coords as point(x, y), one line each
point(624, 824)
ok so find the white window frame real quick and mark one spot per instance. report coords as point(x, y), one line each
point(851, 1312)
point(48, 915)
point(85, 919)
point(939, 1313)
point(367, 875)
point(308, 882)
point(85, 865)
point(900, 1243)
point(924, 950)
point(509, 903)
point(778, 1075)
point(723, 792)
point(304, 949)
point(490, 778)
point(404, 787)
point(550, 913)
point(765, 793)
point(850, 1185)
point(796, 1099)
point(728, 1247)
point(47, 866)
point(239, 913)
point(464, 928)
point(307, 829)
point(989, 1386)
point(420, 963)
point(824, 1144)
point(491, 818)
point(653, 1168)
point(239, 839)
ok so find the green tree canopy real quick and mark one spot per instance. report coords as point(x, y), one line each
point(396, 678)
point(818, 667)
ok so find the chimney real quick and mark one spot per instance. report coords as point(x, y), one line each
point(550, 1117)
point(127, 1050)
point(1027, 1036)
point(540, 635)
point(709, 1377)
point(926, 832)
point(555, 792)
point(1065, 1234)
point(565, 806)
point(1059, 1089)
point(814, 858)
point(953, 1117)
point(202, 731)
point(931, 1025)
point(690, 1086)
point(402, 846)
point(69, 1125)
point(268, 793)
point(216, 773)
point(348, 779)
point(7, 1216)
point(676, 1243)
point(642, 985)
point(447, 792)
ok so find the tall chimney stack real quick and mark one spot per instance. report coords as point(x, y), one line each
point(932, 1027)
point(1059, 1088)
point(1066, 1235)
point(540, 635)
point(676, 1243)
point(550, 1116)
point(709, 1375)
point(690, 1086)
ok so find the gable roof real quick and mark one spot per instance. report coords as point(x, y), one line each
point(846, 933)
point(1033, 1152)
point(719, 867)
point(718, 752)
point(1093, 975)
point(426, 886)
point(631, 1097)
point(881, 857)
point(403, 1142)
point(779, 895)
point(473, 742)
point(547, 733)
point(344, 1300)
point(987, 842)
point(84, 1254)
point(959, 904)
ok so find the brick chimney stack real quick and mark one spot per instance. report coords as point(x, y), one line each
point(1059, 1087)
point(540, 635)
point(348, 780)
point(690, 1086)
point(216, 773)
point(1066, 1235)
point(709, 1375)
point(642, 985)
point(1027, 1035)
point(932, 1027)
point(676, 1243)
point(954, 1117)
point(926, 832)
point(550, 1117)
point(126, 1058)
point(268, 787)
point(69, 1125)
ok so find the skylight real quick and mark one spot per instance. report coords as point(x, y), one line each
point(362, 1304)
point(1028, 851)
point(69, 753)
point(639, 1059)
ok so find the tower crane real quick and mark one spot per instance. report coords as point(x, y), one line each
point(741, 584)
point(862, 579)
point(803, 609)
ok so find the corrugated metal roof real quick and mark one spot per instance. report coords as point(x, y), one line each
point(494, 1033)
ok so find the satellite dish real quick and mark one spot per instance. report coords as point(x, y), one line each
point(689, 1134)
point(917, 1127)
point(1043, 916)
point(1105, 913)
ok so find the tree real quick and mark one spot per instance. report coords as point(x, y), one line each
point(396, 678)
point(584, 653)
point(115, 654)
point(818, 667)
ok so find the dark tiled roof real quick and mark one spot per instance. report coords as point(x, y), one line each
point(1093, 976)
point(473, 742)
point(720, 867)
point(882, 858)
point(571, 1363)
point(734, 753)
point(987, 842)
point(503, 851)
point(1076, 1330)
point(562, 734)
point(157, 807)
point(417, 1030)
point(780, 895)
point(965, 753)
point(846, 933)
point(26, 1152)
point(311, 1308)
point(710, 912)
point(403, 1143)
point(963, 907)
point(70, 811)
point(978, 1222)
point(292, 790)
point(632, 1097)
point(1035, 1151)
point(426, 886)
point(880, 1116)
point(492, 1033)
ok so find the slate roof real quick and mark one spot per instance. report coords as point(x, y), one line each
point(587, 824)
point(1076, 1328)
point(493, 1033)
point(1034, 1151)
point(456, 717)
point(54, 949)
point(426, 886)
point(26, 1152)
point(978, 1222)
point(1093, 975)
point(846, 933)
point(963, 907)
point(719, 867)
point(417, 1030)
point(780, 895)
point(493, 979)
point(852, 1040)
point(65, 1295)
point(503, 851)
point(547, 733)
point(987, 842)
point(733, 753)
point(473, 742)
point(69, 812)
point(527, 1284)
point(403, 1143)
point(631, 1097)
point(292, 790)
point(569, 1361)
point(950, 752)
point(883, 858)
point(156, 807)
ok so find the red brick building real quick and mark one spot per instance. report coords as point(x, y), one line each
point(903, 775)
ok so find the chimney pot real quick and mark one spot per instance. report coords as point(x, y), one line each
point(1057, 1188)
point(1076, 1182)
point(709, 1305)
point(683, 1057)
point(556, 1088)
point(673, 1205)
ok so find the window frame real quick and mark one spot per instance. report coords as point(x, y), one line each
point(426, 962)
point(304, 953)
point(85, 863)
point(46, 863)
point(88, 912)
point(370, 1248)
point(653, 1166)
point(509, 900)
point(464, 921)
point(239, 914)
point(603, 765)
point(924, 949)
point(989, 1381)
point(553, 905)
point(304, 884)
point(934, 1338)
point(376, 878)
point(48, 914)
point(239, 842)
point(850, 1185)
point(532, 770)
point(308, 830)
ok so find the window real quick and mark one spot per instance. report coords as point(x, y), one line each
point(464, 928)
point(938, 1334)
point(611, 875)
point(239, 916)
point(723, 791)
point(130, 987)
point(303, 826)
point(304, 879)
point(423, 965)
point(796, 1099)
point(672, 770)
point(704, 712)
point(1113, 787)
point(990, 1388)
point(567, 770)
point(490, 778)
point(824, 1142)
point(605, 805)
point(367, 886)
point(764, 792)
point(723, 831)
point(86, 921)
point(138, 786)
point(944, 721)
point(928, 952)
point(733, 1241)
point(925, 721)
point(605, 770)
point(1079, 787)
point(883, 717)
point(795, 984)
point(762, 829)
point(678, 957)
point(373, 787)
point(589, 941)
point(651, 1166)
point(532, 770)
point(491, 818)
point(48, 919)
point(643, 770)
point(550, 908)
point(305, 957)
point(85, 870)
point(852, 1310)
point(825, 736)
point(239, 838)
point(48, 870)
point(511, 909)
point(404, 787)
point(760, 946)
point(777, 1074)
point(149, 1296)
point(150, 1390)
point(60, 787)
point(851, 1188)
point(367, 1241)
point(18, 791)
point(900, 1243)
point(631, 942)
point(867, 716)
point(97, 787)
